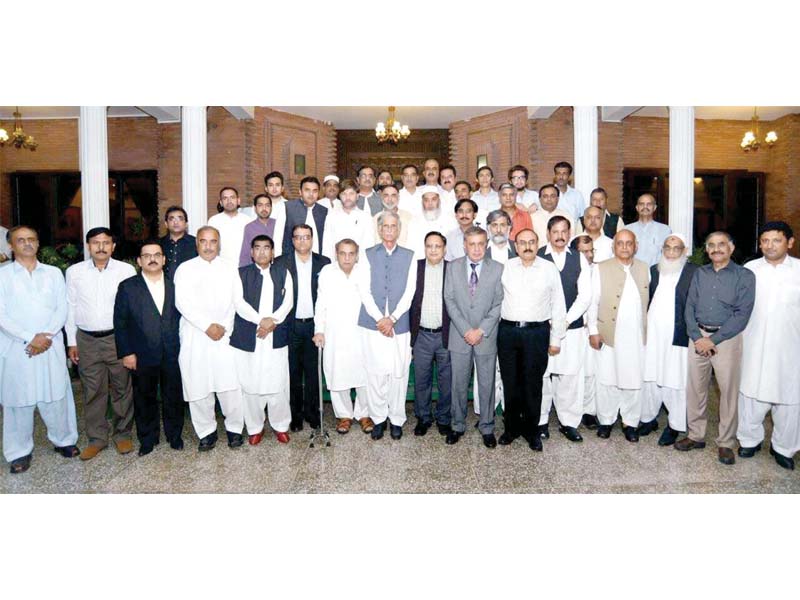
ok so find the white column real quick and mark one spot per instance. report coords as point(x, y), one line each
point(93, 156)
point(585, 131)
point(194, 170)
point(681, 171)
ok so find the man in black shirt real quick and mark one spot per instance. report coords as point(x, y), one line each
point(178, 246)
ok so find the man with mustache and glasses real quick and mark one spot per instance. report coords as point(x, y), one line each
point(146, 333)
point(720, 301)
point(650, 234)
point(91, 291)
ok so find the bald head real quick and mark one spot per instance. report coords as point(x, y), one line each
point(625, 246)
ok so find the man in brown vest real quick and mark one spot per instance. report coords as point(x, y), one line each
point(617, 328)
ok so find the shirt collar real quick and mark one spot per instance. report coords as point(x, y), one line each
point(18, 267)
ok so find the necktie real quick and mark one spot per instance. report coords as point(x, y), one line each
point(473, 279)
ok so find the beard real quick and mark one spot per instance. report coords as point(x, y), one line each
point(499, 239)
point(432, 215)
point(668, 267)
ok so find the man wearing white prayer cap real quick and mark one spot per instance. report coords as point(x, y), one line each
point(330, 191)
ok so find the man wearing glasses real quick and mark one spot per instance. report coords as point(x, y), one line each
point(518, 176)
point(177, 246)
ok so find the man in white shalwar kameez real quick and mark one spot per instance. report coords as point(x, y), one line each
point(432, 218)
point(336, 331)
point(262, 354)
point(617, 322)
point(208, 294)
point(770, 379)
point(33, 363)
point(348, 221)
point(666, 353)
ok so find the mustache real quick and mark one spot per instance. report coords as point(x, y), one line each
point(151, 263)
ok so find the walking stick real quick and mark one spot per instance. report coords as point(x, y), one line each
point(320, 433)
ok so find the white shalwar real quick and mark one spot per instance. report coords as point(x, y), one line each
point(206, 293)
point(665, 365)
point(336, 317)
point(264, 373)
point(591, 358)
point(620, 370)
point(770, 379)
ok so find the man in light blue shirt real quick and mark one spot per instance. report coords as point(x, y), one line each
point(33, 364)
point(650, 234)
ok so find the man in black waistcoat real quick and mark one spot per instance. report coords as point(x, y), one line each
point(612, 223)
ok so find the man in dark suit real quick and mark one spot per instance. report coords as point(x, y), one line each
point(430, 328)
point(146, 335)
point(306, 211)
point(304, 266)
point(500, 248)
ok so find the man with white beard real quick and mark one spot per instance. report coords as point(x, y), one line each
point(666, 353)
point(433, 218)
point(336, 331)
point(617, 327)
point(347, 221)
point(770, 380)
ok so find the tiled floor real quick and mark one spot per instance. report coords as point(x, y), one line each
point(356, 464)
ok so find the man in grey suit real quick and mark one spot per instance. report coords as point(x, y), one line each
point(473, 295)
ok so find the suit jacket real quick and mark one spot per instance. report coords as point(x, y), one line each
point(296, 213)
point(467, 312)
point(679, 337)
point(289, 261)
point(512, 250)
point(416, 303)
point(138, 327)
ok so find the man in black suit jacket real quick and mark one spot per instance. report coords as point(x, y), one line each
point(304, 266)
point(430, 329)
point(146, 334)
point(297, 212)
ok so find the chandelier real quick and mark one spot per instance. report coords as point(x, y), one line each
point(392, 132)
point(18, 139)
point(750, 140)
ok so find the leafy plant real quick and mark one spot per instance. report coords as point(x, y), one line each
point(699, 256)
point(61, 256)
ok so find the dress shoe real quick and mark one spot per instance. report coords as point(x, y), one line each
point(343, 425)
point(422, 427)
point(571, 434)
point(453, 437)
point(535, 443)
point(589, 421)
point(687, 444)
point(377, 430)
point(366, 424)
point(604, 431)
point(21, 464)
point(489, 440)
point(124, 446)
point(507, 438)
point(444, 428)
point(668, 436)
point(145, 449)
point(783, 461)
point(395, 431)
point(234, 439)
point(282, 437)
point(67, 451)
point(176, 444)
point(726, 456)
point(208, 442)
point(296, 426)
point(543, 431)
point(91, 451)
point(630, 433)
point(748, 452)
point(255, 440)
point(647, 427)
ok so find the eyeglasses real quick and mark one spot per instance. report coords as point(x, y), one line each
point(518, 177)
point(157, 255)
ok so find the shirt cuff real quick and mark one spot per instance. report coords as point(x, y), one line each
point(555, 342)
point(593, 330)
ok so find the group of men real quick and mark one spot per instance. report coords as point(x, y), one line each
point(535, 298)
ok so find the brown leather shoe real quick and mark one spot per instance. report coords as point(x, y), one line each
point(282, 437)
point(124, 446)
point(255, 440)
point(726, 456)
point(343, 425)
point(687, 444)
point(366, 424)
point(91, 451)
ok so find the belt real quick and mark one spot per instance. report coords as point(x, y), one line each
point(98, 334)
point(709, 328)
point(429, 330)
point(308, 320)
point(525, 324)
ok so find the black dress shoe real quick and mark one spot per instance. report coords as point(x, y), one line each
point(176, 444)
point(571, 434)
point(453, 437)
point(489, 440)
point(444, 428)
point(234, 439)
point(589, 421)
point(22, 464)
point(507, 438)
point(377, 431)
point(422, 427)
point(296, 426)
point(748, 452)
point(543, 431)
point(630, 433)
point(604, 431)
point(647, 427)
point(395, 431)
point(208, 442)
point(67, 451)
point(668, 436)
point(145, 449)
point(783, 461)
point(535, 443)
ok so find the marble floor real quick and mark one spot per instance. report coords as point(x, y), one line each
point(356, 464)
